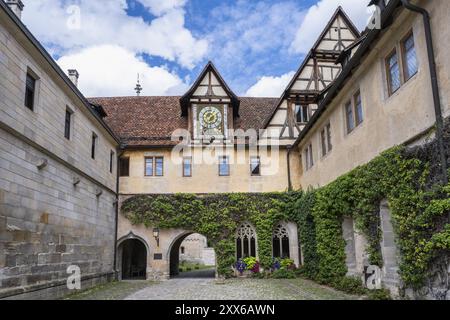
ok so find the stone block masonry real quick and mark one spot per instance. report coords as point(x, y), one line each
point(48, 224)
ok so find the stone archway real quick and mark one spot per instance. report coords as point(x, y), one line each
point(133, 254)
point(174, 258)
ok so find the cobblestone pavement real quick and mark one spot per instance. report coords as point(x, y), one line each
point(238, 289)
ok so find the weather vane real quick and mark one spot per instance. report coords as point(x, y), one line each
point(138, 88)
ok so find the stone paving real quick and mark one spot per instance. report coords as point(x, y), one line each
point(238, 289)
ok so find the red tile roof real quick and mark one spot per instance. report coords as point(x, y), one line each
point(150, 121)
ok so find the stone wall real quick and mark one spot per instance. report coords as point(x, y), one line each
point(57, 204)
point(47, 223)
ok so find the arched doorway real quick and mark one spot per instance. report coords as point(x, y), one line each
point(191, 257)
point(134, 260)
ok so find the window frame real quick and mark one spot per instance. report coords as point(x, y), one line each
point(155, 168)
point(302, 111)
point(388, 71)
point(111, 161)
point(227, 164)
point(94, 142)
point(309, 157)
point(258, 158)
point(353, 105)
point(68, 124)
point(325, 139)
point(346, 109)
point(406, 75)
point(121, 174)
point(190, 167)
point(357, 120)
point(34, 78)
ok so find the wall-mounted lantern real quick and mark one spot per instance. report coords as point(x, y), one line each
point(156, 235)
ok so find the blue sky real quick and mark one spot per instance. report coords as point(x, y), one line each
point(256, 45)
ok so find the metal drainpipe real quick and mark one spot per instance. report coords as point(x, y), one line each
point(120, 152)
point(289, 150)
point(434, 85)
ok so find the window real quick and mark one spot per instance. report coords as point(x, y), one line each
point(393, 72)
point(245, 241)
point(149, 167)
point(154, 166)
point(358, 108)
point(182, 250)
point(68, 124)
point(224, 166)
point(159, 166)
point(93, 145)
point(255, 166)
point(302, 113)
point(187, 167)
point(280, 243)
point(309, 158)
point(30, 89)
point(111, 161)
point(124, 167)
point(410, 66)
point(349, 117)
point(354, 115)
point(325, 139)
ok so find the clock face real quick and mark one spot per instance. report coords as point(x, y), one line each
point(211, 120)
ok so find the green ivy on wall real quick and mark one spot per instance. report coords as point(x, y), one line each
point(215, 216)
point(419, 212)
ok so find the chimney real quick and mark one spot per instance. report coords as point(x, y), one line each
point(73, 76)
point(16, 6)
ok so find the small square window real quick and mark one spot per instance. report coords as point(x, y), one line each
point(224, 166)
point(255, 166)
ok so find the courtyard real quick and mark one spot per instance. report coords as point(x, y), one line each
point(210, 289)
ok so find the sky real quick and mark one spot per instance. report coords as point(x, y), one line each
point(257, 45)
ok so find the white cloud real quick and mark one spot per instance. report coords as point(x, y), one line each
point(270, 86)
point(110, 70)
point(159, 7)
point(106, 22)
point(248, 38)
point(319, 14)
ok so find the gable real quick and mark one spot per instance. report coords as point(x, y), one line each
point(209, 88)
point(314, 77)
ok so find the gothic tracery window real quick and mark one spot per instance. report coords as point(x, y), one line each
point(280, 242)
point(245, 241)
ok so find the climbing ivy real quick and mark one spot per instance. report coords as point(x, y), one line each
point(418, 205)
point(419, 213)
point(216, 216)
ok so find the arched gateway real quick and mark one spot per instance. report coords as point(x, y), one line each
point(176, 249)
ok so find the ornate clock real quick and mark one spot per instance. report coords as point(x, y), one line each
point(211, 120)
